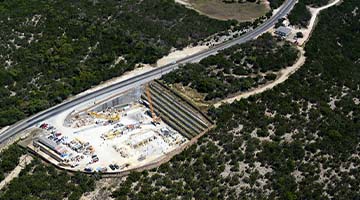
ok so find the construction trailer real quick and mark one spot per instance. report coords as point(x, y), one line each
point(50, 148)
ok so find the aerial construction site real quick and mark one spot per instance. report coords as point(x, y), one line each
point(140, 127)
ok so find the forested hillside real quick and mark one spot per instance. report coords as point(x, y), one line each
point(39, 181)
point(9, 159)
point(297, 141)
point(52, 49)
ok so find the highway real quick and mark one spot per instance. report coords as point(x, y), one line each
point(145, 77)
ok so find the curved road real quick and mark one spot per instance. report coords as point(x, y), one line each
point(147, 76)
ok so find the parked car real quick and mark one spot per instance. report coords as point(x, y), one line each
point(88, 169)
point(116, 166)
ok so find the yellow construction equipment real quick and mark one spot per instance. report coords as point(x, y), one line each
point(111, 134)
point(114, 117)
point(156, 120)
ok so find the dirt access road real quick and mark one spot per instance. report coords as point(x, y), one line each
point(23, 161)
point(287, 72)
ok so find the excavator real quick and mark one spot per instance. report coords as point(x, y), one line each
point(155, 119)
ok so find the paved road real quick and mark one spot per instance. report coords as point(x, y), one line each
point(145, 77)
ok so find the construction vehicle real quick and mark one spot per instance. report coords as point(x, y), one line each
point(155, 119)
point(113, 118)
point(111, 134)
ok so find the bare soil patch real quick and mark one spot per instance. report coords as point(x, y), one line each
point(192, 95)
point(223, 11)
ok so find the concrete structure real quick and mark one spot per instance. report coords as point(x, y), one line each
point(123, 100)
point(48, 147)
point(283, 31)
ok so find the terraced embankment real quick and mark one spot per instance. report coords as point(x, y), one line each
point(177, 112)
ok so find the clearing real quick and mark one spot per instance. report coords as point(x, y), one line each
point(223, 11)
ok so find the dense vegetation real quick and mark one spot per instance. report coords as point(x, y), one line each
point(38, 181)
point(236, 69)
point(297, 141)
point(53, 49)
point(276, 3)
point(9, 159)
point(315, 3)
point(300, 15)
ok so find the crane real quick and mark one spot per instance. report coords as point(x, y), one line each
point(156, 120)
